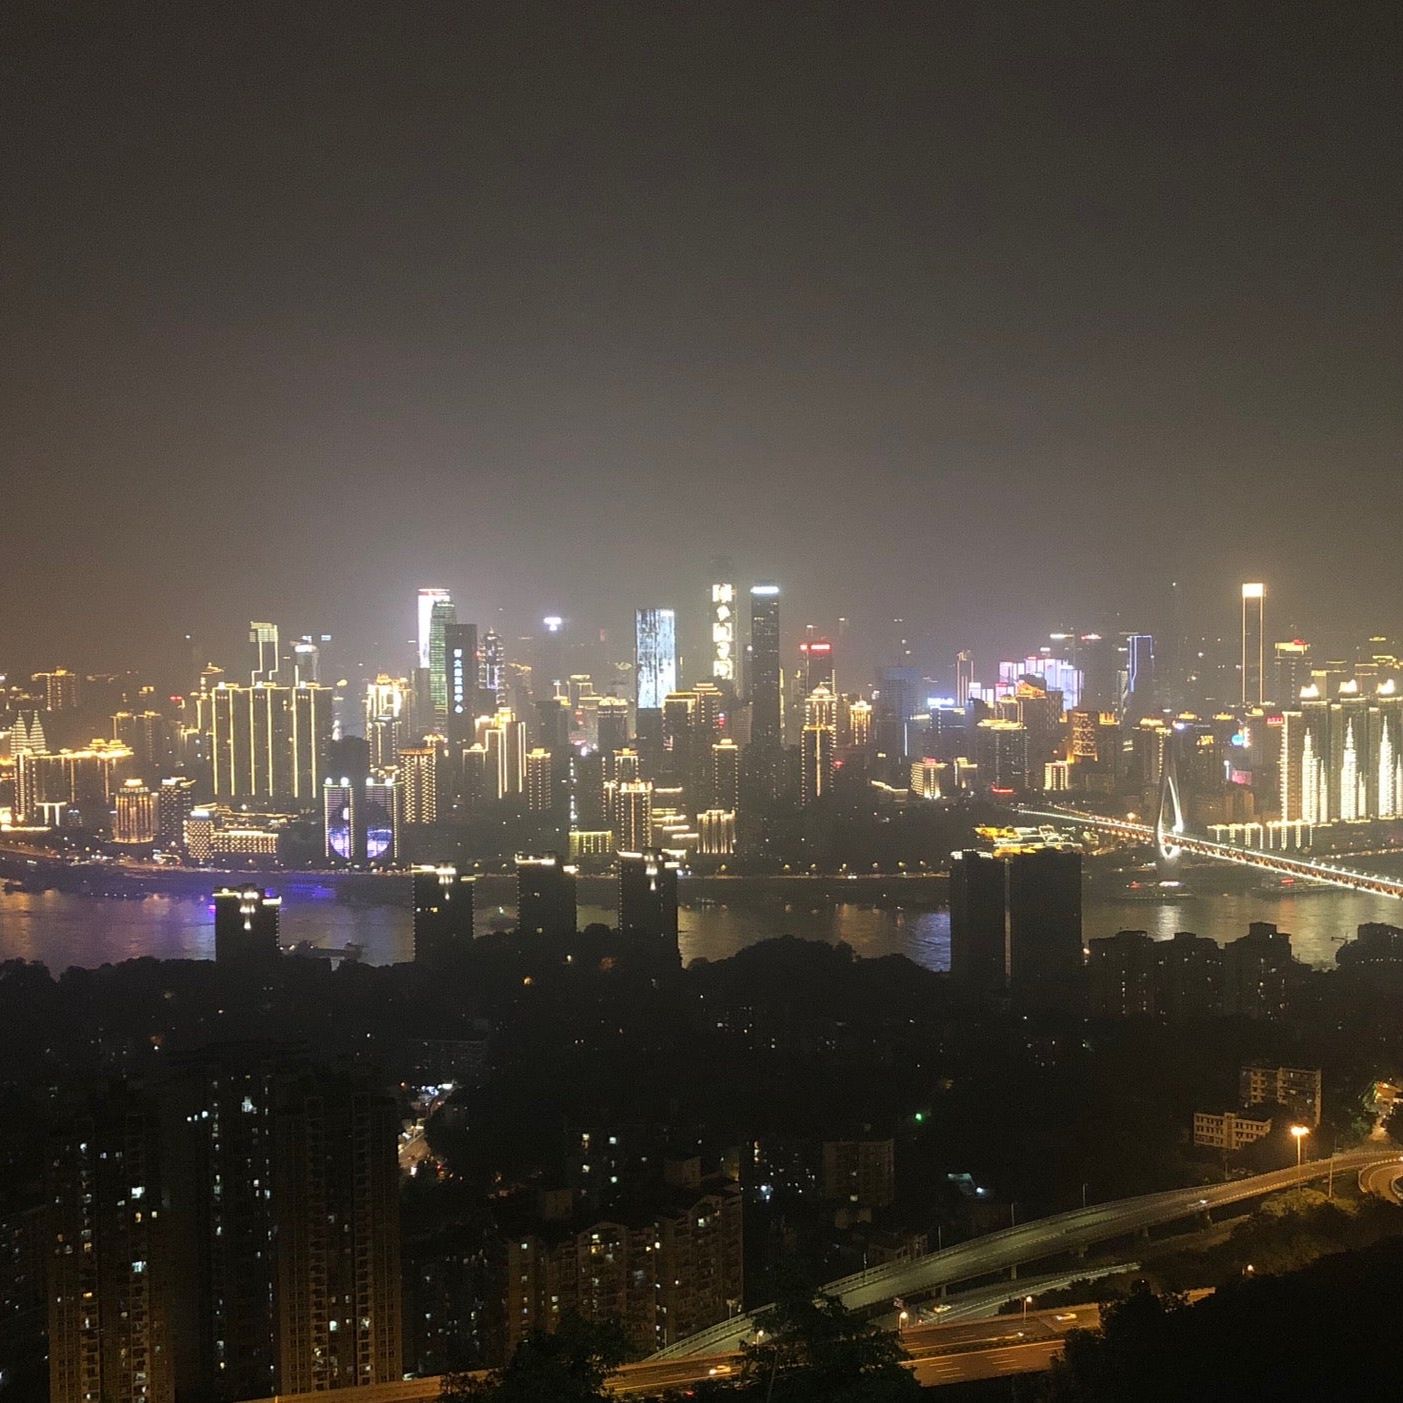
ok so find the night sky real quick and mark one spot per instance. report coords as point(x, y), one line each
point(992, 316)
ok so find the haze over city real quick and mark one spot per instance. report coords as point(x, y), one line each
point(700, 700)
point(994, 322)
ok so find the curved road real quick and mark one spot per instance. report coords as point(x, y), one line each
point(1383, 1180)
point(1028, 1242)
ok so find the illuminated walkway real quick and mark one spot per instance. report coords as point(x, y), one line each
point(1309, 868)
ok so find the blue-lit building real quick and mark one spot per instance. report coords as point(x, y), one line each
point(655, 657)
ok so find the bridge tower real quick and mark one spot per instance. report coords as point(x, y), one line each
point(1169, 820)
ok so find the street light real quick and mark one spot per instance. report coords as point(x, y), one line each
point(1027, 1301)
point(1299, 1133)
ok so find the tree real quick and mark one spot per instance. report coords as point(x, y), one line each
point(1393, 1123)
point(569, 1365)
point(815, 1349)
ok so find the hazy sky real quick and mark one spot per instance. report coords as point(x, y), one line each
point(990, 315)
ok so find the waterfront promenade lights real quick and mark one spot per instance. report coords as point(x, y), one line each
point(1299, 1133)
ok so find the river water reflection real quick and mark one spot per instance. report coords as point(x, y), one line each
point(62, 929)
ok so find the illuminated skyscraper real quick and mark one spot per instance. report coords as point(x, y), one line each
point(442, 617)
point(263, 652)
point(361, 819)
point(1138, 676)
point(765, 722)
point(460, 644)
point(1253, 633)
point(428, 598)
point(134, 821)
point(175, 801)
point(818, 744)
point(632, 818)
point(492, 678)
point(860, 724)
point(56, 787)
point(27, 735)
point(1341, 758)
point(418, 776)
point(716, 830)
point(60, 689)
point(725, 775)
point(723, 622)
point(549, 676)
point(504, 738)
point(1291, 671)
point(611, 724)
point(267, 741)
point(539, 781)
point(818, 668)
point(655, 657)
point(964, 677)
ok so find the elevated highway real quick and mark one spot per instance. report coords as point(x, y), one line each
point(1029, 1242)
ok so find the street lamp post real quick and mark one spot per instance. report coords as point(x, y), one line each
point(1299, 1133)
point(1027, 1301)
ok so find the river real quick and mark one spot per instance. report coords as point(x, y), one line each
point(62, 929)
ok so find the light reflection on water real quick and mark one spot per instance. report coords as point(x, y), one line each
point(61, 929)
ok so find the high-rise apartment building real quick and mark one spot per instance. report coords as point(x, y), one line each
point(443, 912)
point(545, 895)
point(611, 724)
point(504, 739)
point(60, 689)
point(725, 775)
point(110, 1279)
point(267, 742)
point(418, 779)
point(1341, 757)
point(1015, 920)
point(245, 925)
point(648, 895)
point(540, 781)
point(631, 812)
point(335, 1192)
point(175, 801)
